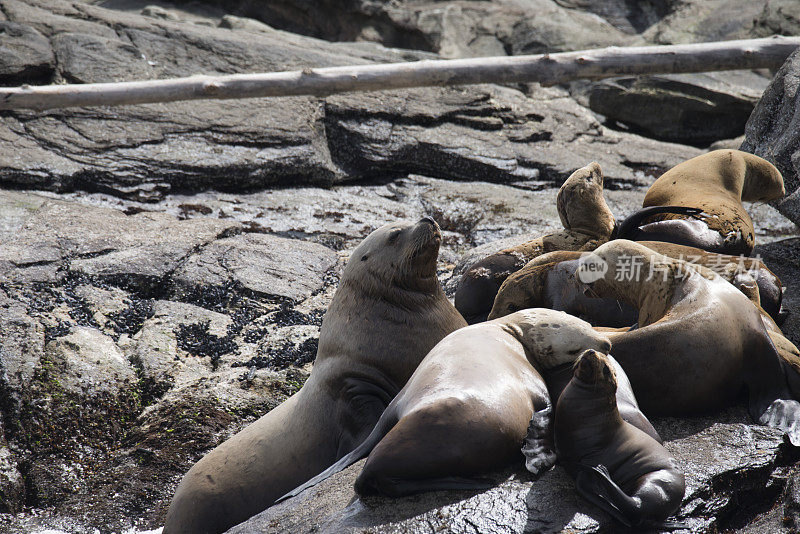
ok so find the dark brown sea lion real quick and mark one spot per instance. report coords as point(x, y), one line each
point(387, 314)
point(616, 466)
point(716, 183)
point(698, 342)
point(543, 283)
point(468, 406)
point(587, 223)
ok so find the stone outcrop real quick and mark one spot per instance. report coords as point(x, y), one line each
point(773, 132)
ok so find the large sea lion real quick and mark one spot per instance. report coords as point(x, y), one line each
point(616, 466)
point(468, 406)
point(698, 339)
point(388, 312)
point(543, 282)
point(587, 220)
point(716, 183)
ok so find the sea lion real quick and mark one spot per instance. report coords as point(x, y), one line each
point(716, 183)
point(616, 466)
point(388, 312)
point(697, 342)
point(587, 221)
point(544, 283)
point(468, 406)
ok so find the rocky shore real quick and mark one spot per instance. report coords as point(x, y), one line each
point(164, 268)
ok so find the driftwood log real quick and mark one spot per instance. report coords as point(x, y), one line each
point(547, 69)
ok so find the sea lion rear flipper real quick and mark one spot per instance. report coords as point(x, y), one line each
point(770, 399)
point(628, 227)
point(594, 484)
point(538, 446)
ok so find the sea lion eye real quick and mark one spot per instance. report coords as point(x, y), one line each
point(393, 236)
point(364, 257)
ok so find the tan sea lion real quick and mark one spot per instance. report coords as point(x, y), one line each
point(388, 312)
point(616, 466)
point(543, 283)
point(467, 408)
point(699, 340)
point(716, 183)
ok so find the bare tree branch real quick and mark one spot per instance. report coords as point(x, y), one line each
point(547, 69)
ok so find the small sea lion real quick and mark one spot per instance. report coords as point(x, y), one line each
point(546, 284)
point(616, 466)
point(388, 312)
point(468, 406)
point(698, 340)
point(715, 183)
point(587, 220)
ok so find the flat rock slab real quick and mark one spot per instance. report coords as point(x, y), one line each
point(724, 458)
point(264, 264)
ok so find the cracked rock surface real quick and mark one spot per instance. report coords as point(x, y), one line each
point(164, 268)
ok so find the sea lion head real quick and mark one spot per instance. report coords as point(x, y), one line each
point(552, 338)
point(581, 205)
point(523, 289)
point(762, 180)
point(398, 256)
point(594, 369)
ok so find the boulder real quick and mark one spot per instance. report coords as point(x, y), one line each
point(773, 132)
point(684, 108)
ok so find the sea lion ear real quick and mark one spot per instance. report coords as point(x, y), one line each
point(365, 257)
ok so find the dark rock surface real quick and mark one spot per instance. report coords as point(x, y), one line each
point(773, 132)
point(723, 456)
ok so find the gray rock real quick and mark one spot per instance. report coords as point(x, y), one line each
point(779, 17)
point(773, 132)
point(630, 17)
point(724, 457)
point(693, 21)
point(25, 55)
point(12, 485)
point(684, 108)
point(268, 266)
point(87, 362)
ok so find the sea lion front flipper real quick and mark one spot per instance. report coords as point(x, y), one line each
point(627, 228)
point(538, 446)
point(594, 484)
point(784, 414)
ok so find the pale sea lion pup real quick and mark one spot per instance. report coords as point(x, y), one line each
point(468, 406)
point(543, 282)
point(716, 183)
point(616, 466)
point(699, 340)
point(587, 220)
point(387, 314)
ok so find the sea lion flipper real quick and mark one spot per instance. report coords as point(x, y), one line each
point(784, 414)
point(538, 446)
point(628, 227)
point(384, 424)
point(594, 483)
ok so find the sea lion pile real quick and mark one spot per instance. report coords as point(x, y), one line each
point(584, 326)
